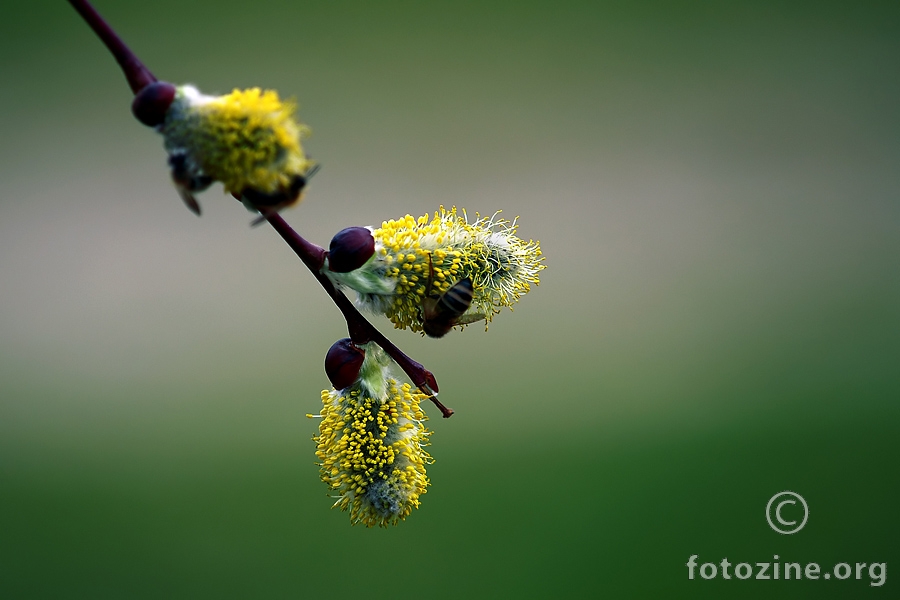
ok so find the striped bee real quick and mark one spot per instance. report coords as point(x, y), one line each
point(187, 180)
point(440, 313)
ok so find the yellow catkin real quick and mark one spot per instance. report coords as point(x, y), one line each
point(426, 257)
point(372, 452)
point(246, 139)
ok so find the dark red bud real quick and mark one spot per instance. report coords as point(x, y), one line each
point(342, 363)
point(151, 103)
point(350, 249)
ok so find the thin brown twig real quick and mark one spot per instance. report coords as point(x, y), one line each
point(138, 75)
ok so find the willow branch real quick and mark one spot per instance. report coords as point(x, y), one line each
point(313, 256)
point(138, 75)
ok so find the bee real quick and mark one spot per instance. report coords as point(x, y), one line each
point(188, 179)
point(441, 312)
point(267, 204)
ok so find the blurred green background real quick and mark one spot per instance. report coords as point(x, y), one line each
point(715, 186)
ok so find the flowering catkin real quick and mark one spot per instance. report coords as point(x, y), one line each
point(371, 444)
point(416, 259)
point(248, 139)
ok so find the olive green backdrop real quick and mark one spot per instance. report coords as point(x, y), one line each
point(715, 186)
